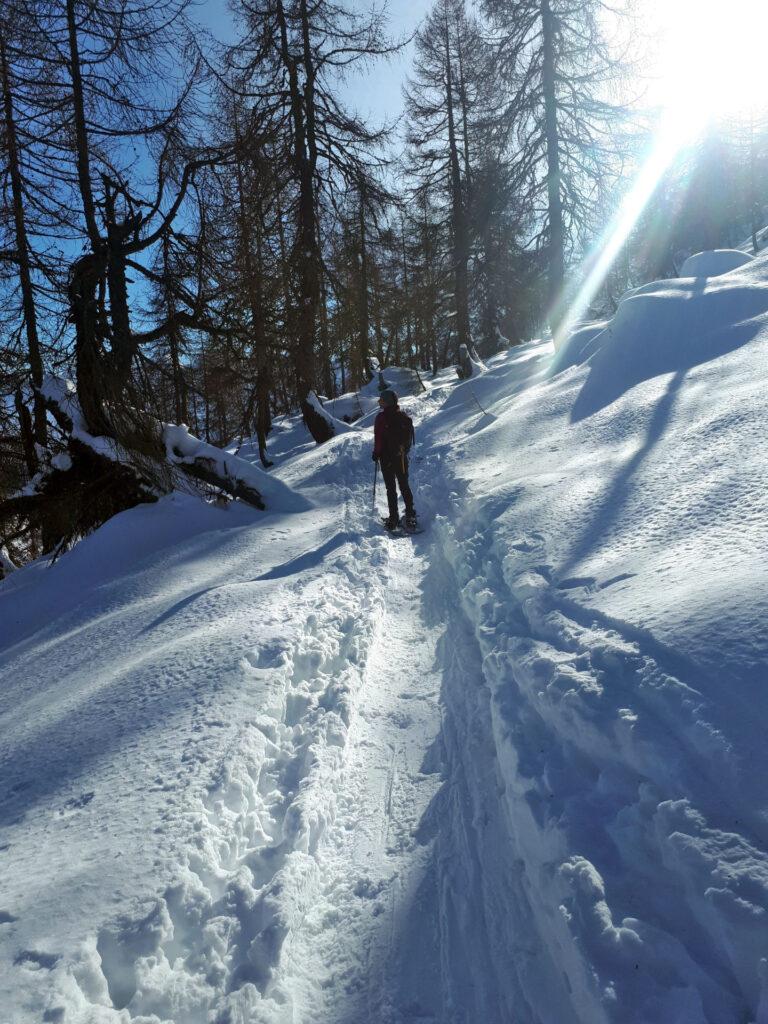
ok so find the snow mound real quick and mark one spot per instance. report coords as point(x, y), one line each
point(354, 405)
point(666, 327)
point(714, 262)
point(401, 379)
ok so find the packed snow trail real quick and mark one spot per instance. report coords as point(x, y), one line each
point(376, 855)
point(228, 793)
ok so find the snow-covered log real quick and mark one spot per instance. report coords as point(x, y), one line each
point(85, 479)
point(236, 476)
point(335, 426)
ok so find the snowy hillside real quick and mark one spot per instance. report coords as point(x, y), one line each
point(261, 768)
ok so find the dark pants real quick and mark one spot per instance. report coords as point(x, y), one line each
point(396, 470)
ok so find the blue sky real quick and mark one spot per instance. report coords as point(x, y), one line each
point(376, 92)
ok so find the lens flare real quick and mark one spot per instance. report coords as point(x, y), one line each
point(710, 68)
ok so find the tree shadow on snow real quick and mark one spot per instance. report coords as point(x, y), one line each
point(611, 505)
point(661, 334)
point(309, 559)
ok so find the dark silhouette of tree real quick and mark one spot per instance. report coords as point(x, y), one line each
point(450, 65)
point(288, 65)
point(562, 117)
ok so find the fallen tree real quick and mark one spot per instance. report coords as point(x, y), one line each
point(84, 478)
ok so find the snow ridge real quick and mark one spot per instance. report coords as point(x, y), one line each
point(595, 737)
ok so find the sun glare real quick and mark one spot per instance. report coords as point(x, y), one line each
point(710, 67)
point(712, 56)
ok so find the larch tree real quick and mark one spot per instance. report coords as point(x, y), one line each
point(127, 127)
point(288, 65)
point(561, 68)
point(441, 96)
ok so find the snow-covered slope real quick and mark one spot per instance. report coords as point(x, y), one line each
point(284, 768)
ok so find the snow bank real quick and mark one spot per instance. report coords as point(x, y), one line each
point(666, 327)
point(714, 262)
point(354, 405)
point(358, 405)
point(403, 380)
point(604, 533)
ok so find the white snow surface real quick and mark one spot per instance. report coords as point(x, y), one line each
point(714, 262)
point(261, 768)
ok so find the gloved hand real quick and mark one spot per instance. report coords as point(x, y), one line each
point(375, 457)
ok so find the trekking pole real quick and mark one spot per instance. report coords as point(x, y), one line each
point(375, 474)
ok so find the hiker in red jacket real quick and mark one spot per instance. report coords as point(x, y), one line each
point(392, 440)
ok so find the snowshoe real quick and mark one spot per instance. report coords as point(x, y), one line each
point(390, 523)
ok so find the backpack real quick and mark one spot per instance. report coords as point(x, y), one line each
point(398, 435)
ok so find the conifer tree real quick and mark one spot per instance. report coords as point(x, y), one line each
point(288, 65)
point(562, 117)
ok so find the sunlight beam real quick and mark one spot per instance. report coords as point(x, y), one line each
point(711, 67)
point(675, 133)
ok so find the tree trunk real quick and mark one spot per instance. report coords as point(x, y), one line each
point(329, 385)
point(22, 250)
point(255, 301)
point(362, 351)
point(460, 247)
point(86, 277)
point(27, 435)
point(464, 120)
point(82, 149)
point(554, 198)
point(406, 296)
point(120, 336)
point(306, 254)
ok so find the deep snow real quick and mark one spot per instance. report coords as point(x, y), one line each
point(281, 767)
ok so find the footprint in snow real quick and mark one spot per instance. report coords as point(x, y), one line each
point(35, 961)
point(269, 656)
point(401, 719)
point(367, 889)
point(76, 803)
